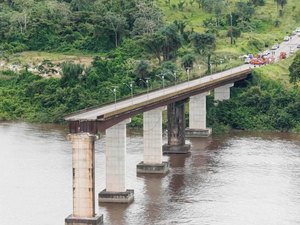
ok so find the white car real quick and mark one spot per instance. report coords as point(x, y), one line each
point(266, 53)
point(286, 38)
point(274, 47)
point(298, 30)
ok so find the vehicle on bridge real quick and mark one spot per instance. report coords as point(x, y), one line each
point(257, 61)
point(282, 55)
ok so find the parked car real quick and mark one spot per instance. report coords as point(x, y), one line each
point(298, 30)
point(266, 53)
point(257, 61)
point(298, 46)
point(286, 38)
point(294, 33)
point(275, 46)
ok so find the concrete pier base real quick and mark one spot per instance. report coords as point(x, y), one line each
point(197, 132)
point(176, 149)
point(152, 130)
point(83, 163)
point(115, 152)
point(116, 197)
point(71, 220)
point(152, 168)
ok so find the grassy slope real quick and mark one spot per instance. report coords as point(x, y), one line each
point(278, 71)
point(265, 18)
point(265, 31)
point(193, 15)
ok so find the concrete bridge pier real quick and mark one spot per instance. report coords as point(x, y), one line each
point(222, 93)
point(152, 134)
point(176, 129)
point(115, 152)
point(83, 163)
point(197, 117)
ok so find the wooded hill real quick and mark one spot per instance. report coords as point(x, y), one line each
point(132, 41)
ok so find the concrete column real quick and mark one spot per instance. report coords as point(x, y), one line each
point(152, 133)
point(115, 152)
point(222, 93)
point(83, 163)
point(197, 117)
point(176, 129)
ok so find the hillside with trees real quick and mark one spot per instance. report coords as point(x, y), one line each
point(129, 43)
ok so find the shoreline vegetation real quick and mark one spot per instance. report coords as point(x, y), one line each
point(57, 57)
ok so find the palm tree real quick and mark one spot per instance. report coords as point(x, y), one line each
point(280, 3)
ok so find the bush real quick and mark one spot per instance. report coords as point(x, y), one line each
point(263, 105)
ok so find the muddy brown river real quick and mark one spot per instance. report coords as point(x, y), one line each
point(241, 178)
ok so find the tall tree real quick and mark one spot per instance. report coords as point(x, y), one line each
point(148, 18)
point(172, 41)
point(204, 44)
point(117, 24)
point(295, 70)
point(280, 3)
point(153, 44)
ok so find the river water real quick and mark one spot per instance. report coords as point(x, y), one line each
point(237, 179)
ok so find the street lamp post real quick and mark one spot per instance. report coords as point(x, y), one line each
point(188, 69)
point(147, 84)
point(221, 62)
point(163, 79)
point(131, 89)
point(114, 91)
point(115, 94)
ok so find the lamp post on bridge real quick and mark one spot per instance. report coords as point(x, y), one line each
point(147, 84)
point(174, 75)
point(131, 90)
point(163, 79)
point(114, 91)
point(188, 69)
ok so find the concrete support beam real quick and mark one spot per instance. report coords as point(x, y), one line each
point(197, 117)
point(176, 130)
point(115, 152)
point(152, 134)
point(83, 163)
point(222, 93)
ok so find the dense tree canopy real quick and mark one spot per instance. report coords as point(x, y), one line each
point(75, 24)
point(295, 70)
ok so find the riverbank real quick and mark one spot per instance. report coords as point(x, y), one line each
point(260, 103)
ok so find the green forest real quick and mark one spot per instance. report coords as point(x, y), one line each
point(134, 43)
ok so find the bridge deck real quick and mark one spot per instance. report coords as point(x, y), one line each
point(161, 97)
point(102, 117)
